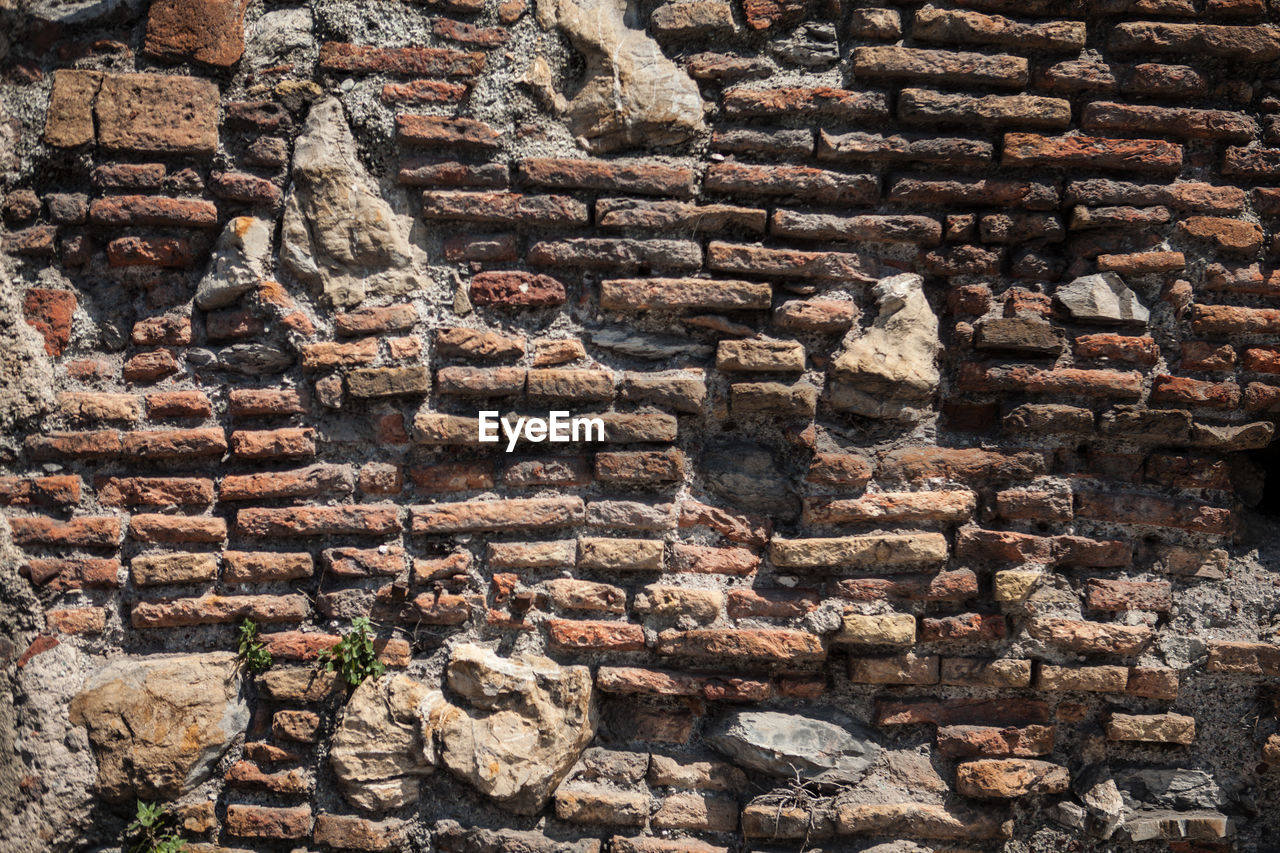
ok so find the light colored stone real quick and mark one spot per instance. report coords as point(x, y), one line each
point(674, 602)
point(530, 720)
point(633, 94)
point(830, 748)
point(159, 724)
point(1015, 584)
point(882, 551)
point(383, 743)
point(1101, 298)
point(1152, 728)
point(238, 263)
point(888, 629)
point(339, 234)
point(893, 363)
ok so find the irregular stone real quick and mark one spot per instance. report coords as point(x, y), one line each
point(238, 263)
point(1169, 787)
point(750, 476)
point(77, 11)
point(894, 358)
point(383, 742)
point(1104, 808)
point(159, 724)
point(339, 234)
point(633, 94)
point(1101, 298)
point(829, 748)
point(529, 723)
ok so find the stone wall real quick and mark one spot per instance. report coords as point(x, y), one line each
point(936, 349)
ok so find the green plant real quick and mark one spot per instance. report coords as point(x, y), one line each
point(252, 650)
point(153, 831)
point(353, 656)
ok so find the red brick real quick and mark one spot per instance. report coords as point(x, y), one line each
point(1006, 711)
point(458, 31)
point(453, 476)
point(1180, 390)
point(822, 102)
point(362, 520)
point(424, 92)
point(73, 573)
point(952, 68)
point(347, 832)
point(81, 620)
point(174, 444)
point(707, 559)
point(208, 31)
point(988, 741)
point(405, 61)
point(788, 263)
point(40, 491)
point(49, 312)
point(1142, 263)
point(771, 604)
point(1124, 348)
point(652, 682)
point(218, 610)
point(1091, 152)
point(633, 176)
point(817, 185)
point(179, 404)
point(998, 192)
point(966, 628)
point(264, 566)
point(121, 210)
point(1063, 381)
point(172, 252)
point(363, 562)
point(287, 443)
point(1155, 511)
point(84, 532)
point(268, 822)
point(640, 467)
point(155, 491)
point(245, 188)
point(956, 585)
point(452, 133)
point(512, 514)
point(516, 289)
point(1169, 121)
point(757, 646)
point(1119, 595)
point(568, 634)
point(1253, 44)
point(748, 529)
point(177, 528)
point(73, 445)
point(157, 114)
point(965, 465)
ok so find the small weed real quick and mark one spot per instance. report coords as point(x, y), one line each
point(252, 650)
point(153, 831)
point(353, 656)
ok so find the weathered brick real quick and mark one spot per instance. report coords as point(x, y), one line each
point(918, 820)
point(1152, 728)
point(1257, 44)
point(82, 532)
point(1010, 777)
point(286, 443)
point(788, 263)
point(1156, 511)
point(218, 609)
point(1141, 155)
point(892, 508)
point(945, 25)
point(677, 215)
point(157, 114)
point(990, 742)
point(674, 294)
point(804, 182)
point(405, 61)
point(268, 822)
point(1169, 121)
point(924, 106)
point(569, 634)
point(763, 646)
point(1000, 192)
point(265, 566)
point(953, 67)
point(60, 574)
point(511, 514)
point(636, 176)
point(1090, 637)
point(366, 520)
point(516, 289)
point(155, 491)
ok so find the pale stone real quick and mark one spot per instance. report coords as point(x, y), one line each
point(892, 365)
point(159, 724)
point(828, 748)
point(633, 94)
point(529, 723)
point(238, 263)
point(383, 743)
point(1101, 298)
point(339, 234)
point(1015, 584)
point(889, 629)
point(1152, 728)
point(673, 602)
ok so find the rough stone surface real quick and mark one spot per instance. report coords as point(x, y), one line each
point(632, 94)
point(814, 749)
point(239, 262)
point(383, 743)
point(339, 234)
point(159, 725)
point(526, 722)
point(894, 358)
point(1101, 298)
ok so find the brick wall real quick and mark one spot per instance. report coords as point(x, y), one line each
point(1011, 516)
